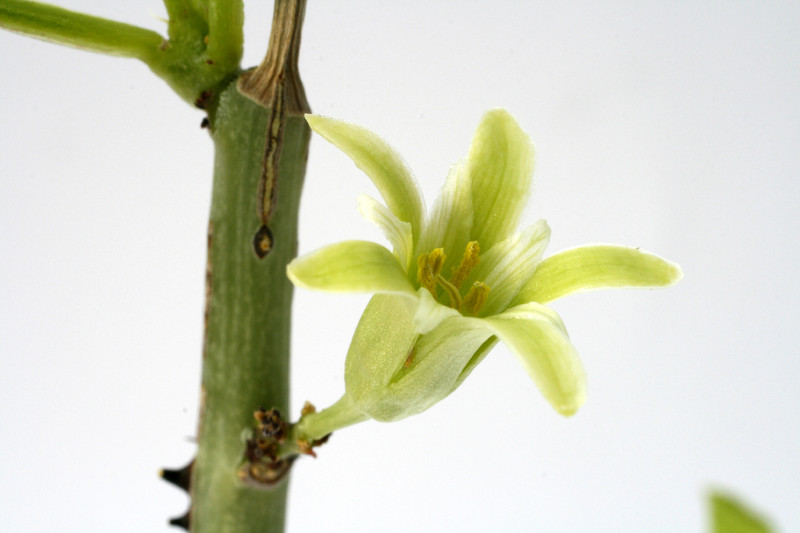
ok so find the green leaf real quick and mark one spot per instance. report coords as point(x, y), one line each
point(731, 516)
point(500, 166)
point(593, 267)
point(380, 163)
point(350, 266)
point(538, 338)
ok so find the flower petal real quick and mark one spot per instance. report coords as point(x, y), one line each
point(508, 265)
point(599, 266)
point(438, 361)
point(537, 336)
point(500, 165)
point(380, 345)
point(350, 266)
point(380, 163)
point(396, 231)
point(430, 313)
point(392, 372)
point(450, 221)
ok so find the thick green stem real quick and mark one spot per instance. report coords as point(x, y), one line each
point(246, 359)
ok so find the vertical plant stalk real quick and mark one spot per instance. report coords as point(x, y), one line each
point(248, 308)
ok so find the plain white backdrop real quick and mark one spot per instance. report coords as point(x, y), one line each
point(667, 125)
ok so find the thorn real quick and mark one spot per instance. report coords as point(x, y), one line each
point(181, 521)
point(181, 478)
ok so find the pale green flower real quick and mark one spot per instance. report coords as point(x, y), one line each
point(459, 279)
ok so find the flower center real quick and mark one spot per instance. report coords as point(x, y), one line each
point(429, 276)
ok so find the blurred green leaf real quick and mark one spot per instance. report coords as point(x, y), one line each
point(729, 515)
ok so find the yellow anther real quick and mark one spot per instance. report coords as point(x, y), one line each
point(476, 297)
point(429, 266)
point(424, 276)
point(436, 261)
point(468, 262)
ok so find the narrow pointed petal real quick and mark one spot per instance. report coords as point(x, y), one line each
point(508, 265)
point(597, 267)
point(380, 163)
point(350, 266)
point(397, 232)
point(500, 165)
point(450, 221)
point(537, 336)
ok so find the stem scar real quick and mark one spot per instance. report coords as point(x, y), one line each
point(270, 166)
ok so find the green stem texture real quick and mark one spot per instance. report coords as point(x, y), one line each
point(246, 356)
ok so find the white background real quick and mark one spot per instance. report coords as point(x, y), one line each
point(673, 126)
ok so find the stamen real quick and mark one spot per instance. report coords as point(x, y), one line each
point(476, 297)
point(428, 267)
point(452, 292)
point(424, 277)
point(468, 262)
point(436, 261)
